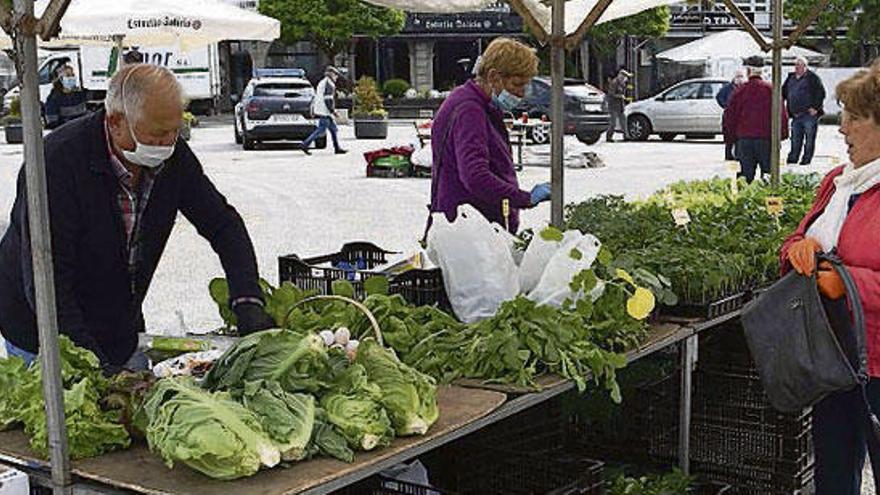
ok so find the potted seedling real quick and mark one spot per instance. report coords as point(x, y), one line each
point(370, 117)
point(12, 122)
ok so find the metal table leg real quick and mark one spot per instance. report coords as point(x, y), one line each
point(688, 360)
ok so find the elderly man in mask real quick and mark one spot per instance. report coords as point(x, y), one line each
point(116, 181)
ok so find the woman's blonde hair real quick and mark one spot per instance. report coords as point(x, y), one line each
point(510, 58)
point(860, 94)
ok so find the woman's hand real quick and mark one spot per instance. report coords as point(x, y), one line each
point(829, 282)
point(802, 255)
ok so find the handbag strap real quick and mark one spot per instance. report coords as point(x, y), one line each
point(872, 424)
point(855, 304)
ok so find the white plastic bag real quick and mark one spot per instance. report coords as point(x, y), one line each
point(423, 157)
point(553, 288)
point(478, 269)
point(537, 256)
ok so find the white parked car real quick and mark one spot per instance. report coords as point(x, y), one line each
point(275, 108)
point(688, 108)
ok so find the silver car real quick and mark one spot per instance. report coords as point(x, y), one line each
point(688, 108)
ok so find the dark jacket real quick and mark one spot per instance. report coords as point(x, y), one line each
point(99, 305)
point(747, 115)
point(62, 107)
point(472, 160)
point(817, 91)
point(724, 94)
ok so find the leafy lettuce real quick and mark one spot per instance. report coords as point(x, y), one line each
point(287, 418)
point(354, 408)
point(209, 432)
point(409, 396)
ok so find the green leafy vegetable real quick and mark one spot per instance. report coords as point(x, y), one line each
point(409, 396)
point(354, 408)
point(297, 361)
point(211, 433)
point(287, 418)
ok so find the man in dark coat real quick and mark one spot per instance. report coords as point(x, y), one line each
point(804, 95)
point(116, 180)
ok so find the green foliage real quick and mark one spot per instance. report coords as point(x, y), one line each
point(288, 419)
point(367, 100)
point(395, 88)
point(354, 408)
point(730, 244)
point(674, 483)
point(331, 25)
point(13, 116)
point(859, 18)
point(91, 430)
point(652, 23)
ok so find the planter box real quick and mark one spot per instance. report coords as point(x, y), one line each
point(14, 133)
point(367, 128)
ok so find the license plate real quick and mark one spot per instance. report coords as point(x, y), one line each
point(288, 118)
point(592, 107)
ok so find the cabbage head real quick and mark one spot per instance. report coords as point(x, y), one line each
point(288, 419)
point(409, 396)
point(209, 432)
point(354, 408)
point(297, 361)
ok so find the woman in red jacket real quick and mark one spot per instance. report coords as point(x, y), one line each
point(846, 217)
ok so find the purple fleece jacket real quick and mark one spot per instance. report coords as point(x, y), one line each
point(472, 162)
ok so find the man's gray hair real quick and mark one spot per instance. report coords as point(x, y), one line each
point(801, 58)
point(130, 86)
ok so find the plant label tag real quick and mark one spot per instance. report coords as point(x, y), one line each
point(774, 205)
point(681, 216)
point(505, 207)
point(732, 167)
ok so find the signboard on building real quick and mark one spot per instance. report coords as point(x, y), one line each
point(245, 4)
point(697, 19)
point(487, 21)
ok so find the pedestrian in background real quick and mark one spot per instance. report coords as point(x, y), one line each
point(66, 101)
point(748, 120)
point(615, 98)
point(804, 95)
point(324, 108)
point(723, 98)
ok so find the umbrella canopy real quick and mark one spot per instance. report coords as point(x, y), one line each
point(731, 44)
point(157, 22)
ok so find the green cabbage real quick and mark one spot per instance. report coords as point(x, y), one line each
point(211, 433)
point(327, 440)
point(409, 396)
point(287, 418)
point(360, 419)
point(297, 361)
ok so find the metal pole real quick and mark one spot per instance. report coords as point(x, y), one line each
point(776, 106)
point(557, 130)
point(688, 360)
point(41, 246)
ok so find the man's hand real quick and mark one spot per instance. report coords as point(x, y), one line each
point(829, 281)
point(252, 318)
point(802, 255)
point(813, 112)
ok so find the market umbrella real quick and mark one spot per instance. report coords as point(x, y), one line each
point(190, 23)
point(731, 44)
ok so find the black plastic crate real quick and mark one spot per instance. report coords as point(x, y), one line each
point(537, 429)
point(418, 287)
point(710, 309)
point(643, 428)
point(752, 480)
point(514, 472)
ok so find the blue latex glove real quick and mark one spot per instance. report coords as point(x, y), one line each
point(540, 193)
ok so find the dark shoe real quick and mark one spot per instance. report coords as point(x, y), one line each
point(609, 139)
point(791, 162)
point(305, 150)
point(341, 151)
point(805, 163)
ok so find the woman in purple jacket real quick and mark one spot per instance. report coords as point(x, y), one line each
point(473, 163)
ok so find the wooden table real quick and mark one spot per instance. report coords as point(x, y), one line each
point(463, 411)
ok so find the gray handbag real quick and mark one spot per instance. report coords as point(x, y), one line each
point(802, 349)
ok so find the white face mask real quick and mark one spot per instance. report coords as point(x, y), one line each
point(145, 155)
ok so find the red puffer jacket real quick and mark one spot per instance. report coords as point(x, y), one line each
point(857, 247)
point(747, 115)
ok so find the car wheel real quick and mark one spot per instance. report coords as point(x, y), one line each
point(667, 136)
point(539, 134)
point(237, 134)
point(589, 137)
point(639, 128)
point(321, 143)
point(248, 143)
